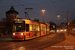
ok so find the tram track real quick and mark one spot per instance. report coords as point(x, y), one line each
point(43, 45)
point(58, 38)
point(37, 44)
point(23, 43)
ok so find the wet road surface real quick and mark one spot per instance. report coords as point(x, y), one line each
point(73, 34)
point(34, 44)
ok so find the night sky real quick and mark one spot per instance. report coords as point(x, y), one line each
point(51, 7)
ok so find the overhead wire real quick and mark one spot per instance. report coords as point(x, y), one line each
point(14, 5)
point(54, 5)
point(19, 3)
point(22, 3)
point(34, 4)
point(28, 3)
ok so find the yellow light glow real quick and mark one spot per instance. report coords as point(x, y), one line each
point(18, 19)
point(31, 27)
point(74, 28)
point(61, 30)
point(64, 19)
point(58, 16)
point(43, 10)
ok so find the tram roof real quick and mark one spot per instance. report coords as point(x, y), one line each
point(30, 21)
point(46, 23)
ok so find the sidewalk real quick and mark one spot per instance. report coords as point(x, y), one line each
point(68, 44)
point(3, 36)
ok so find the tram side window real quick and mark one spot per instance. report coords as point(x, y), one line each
point(34, 28)
point(43, 28)
point(31, 27)
point(27, 27)
point(37, 28)
point(47, 29)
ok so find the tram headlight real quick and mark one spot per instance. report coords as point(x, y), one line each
point(21, 33)
point(13, 33)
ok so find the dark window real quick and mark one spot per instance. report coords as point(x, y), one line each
point(19, 26)
point(27, 27)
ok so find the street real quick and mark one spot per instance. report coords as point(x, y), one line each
point(33, 44)
point(37, 25)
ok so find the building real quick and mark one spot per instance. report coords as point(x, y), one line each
point(11, 14)
point(72, 25)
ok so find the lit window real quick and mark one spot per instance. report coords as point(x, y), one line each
point(34, 28)
point(30, 27)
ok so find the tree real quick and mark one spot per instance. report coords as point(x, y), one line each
point(52, 25)
point(72, 24)
point(3, 24)
point(7, 25)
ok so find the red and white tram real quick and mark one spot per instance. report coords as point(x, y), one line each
point(26, 29)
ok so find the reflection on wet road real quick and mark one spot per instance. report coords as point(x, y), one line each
point(34, 44)
point(73, 34)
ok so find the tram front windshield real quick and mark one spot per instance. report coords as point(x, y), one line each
point(19, 26)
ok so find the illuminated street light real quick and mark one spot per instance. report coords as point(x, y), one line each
point(58, 19)
point(43, 14)
point(65, 20)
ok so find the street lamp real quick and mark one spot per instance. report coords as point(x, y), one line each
point(58, 19)
point(43, 14)
point(65, 20)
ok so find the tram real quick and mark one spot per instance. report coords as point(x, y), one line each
point(24, 29)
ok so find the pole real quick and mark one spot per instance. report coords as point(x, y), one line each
point(43, 16)
point(58, 21)
point(68, 21)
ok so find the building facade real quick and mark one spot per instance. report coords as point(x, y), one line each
point(11, 14)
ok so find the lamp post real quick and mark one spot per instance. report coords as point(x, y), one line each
point(58, 19)
point(65, 20)
point(68, 22)
point(43, 14)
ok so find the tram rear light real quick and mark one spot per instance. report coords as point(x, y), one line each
point(13, 33)
point(21, 33)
